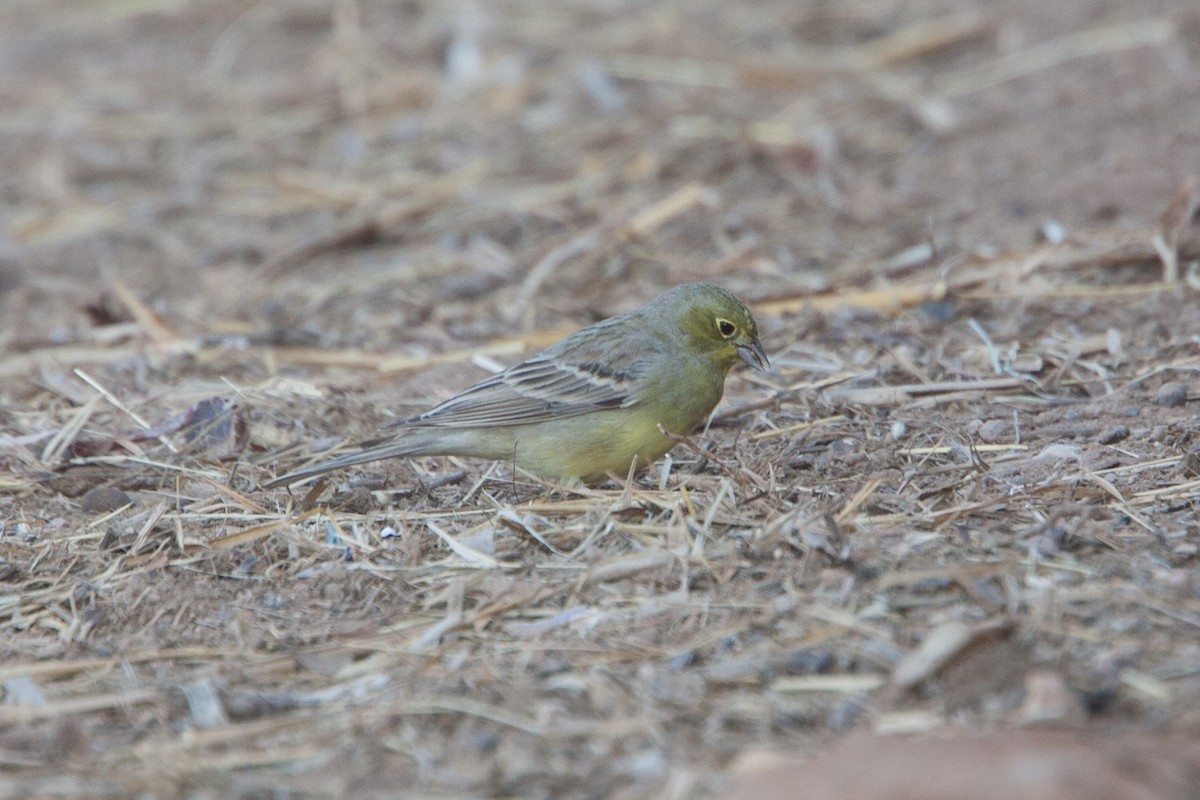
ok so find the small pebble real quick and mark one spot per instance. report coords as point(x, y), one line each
point(1051, 231)
point(1171, 395)
point(809, 661)
point(1114, 435)
point(680, 661)
point(103, 499)
point(21, 690)
point(993, 430)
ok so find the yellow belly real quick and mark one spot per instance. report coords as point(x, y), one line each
point(587, 447)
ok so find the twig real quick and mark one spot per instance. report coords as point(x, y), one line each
point(697, 450)
point(110, 397)
point(546, 266)
point(1044, 56)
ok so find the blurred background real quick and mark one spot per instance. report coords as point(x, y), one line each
point(302, 205)
point(379, 174)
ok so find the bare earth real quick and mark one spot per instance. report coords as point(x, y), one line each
point(965, 500)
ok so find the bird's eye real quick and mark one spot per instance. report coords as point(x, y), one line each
point(726, 327)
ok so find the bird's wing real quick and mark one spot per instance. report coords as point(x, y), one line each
point(536, 390)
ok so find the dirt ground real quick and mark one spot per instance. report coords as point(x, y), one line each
point(231, 234)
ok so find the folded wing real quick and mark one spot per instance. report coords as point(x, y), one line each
point(534, 391)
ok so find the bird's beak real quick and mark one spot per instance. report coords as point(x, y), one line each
point(754, 355)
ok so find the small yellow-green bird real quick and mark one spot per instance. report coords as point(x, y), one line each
point(590, 404)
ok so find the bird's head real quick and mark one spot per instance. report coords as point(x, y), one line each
point(717, 324)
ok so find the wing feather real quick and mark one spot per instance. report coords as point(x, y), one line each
point(590, 370)
point(533, 391)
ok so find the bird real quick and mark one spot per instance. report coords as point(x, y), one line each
point(585, 408)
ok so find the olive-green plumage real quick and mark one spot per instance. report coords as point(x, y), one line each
point(588, 405)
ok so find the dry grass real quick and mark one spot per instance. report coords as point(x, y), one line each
point(970, 469)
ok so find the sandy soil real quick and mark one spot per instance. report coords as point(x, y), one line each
point(965, 500)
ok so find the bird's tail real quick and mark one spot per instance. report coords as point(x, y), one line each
point(405, 446)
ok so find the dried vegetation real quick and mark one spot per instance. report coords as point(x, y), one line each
point(966, 499)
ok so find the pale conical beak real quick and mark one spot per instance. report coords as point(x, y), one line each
point(754, 355)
